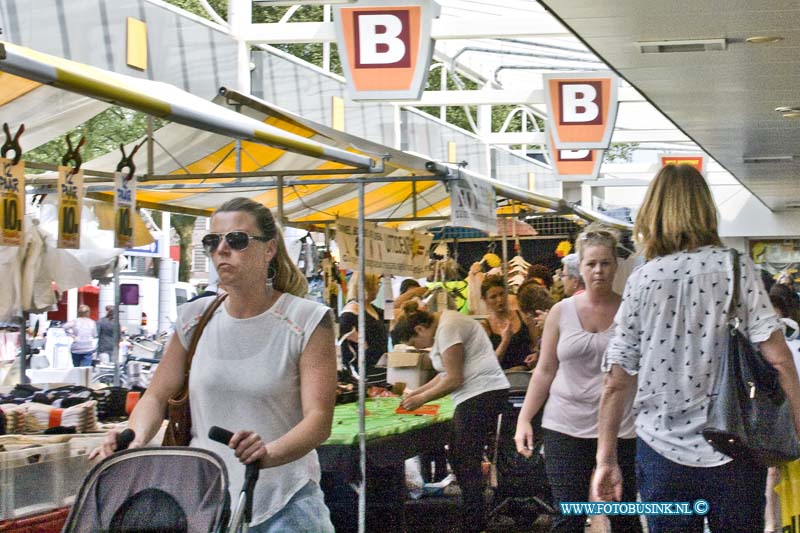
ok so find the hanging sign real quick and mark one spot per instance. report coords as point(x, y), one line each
point(581, 108)
point(124, 209)
point(70, 202)
point(12, 203)
point(385, 48)
point(574, 165)
point(386, 250)
point(473, 204)
point(698, 161)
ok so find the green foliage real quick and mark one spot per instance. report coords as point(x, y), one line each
point(104, 133)
point(620, 152)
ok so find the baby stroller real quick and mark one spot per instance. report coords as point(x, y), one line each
point(163, 489)
point(523, 492)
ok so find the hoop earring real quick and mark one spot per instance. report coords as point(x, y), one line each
point(271, 273)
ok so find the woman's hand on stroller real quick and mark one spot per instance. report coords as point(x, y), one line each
point(249, 448)
point(523, 438)
point(115, 440)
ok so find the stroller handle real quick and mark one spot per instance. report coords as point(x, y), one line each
point(223, 436)
point(124, 439)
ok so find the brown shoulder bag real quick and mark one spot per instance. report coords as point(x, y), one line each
point(179, 416)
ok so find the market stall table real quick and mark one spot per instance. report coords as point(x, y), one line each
point(391, 439)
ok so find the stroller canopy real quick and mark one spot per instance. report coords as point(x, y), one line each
point(188, 488)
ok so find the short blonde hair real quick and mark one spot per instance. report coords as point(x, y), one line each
point(371, 283)
point(678, 213)
point(84, 310)
point(596, 234)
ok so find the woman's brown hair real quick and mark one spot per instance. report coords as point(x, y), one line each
point(678, 213)
point(412, 317)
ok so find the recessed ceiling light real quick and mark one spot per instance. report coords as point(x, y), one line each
point(789, 112)
point(694, 45)
point(763, 39)
point(768, 159)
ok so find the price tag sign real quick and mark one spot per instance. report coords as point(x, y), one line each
point(473, 204)
point(12, 203)
point(70, 202)
point(124, 209)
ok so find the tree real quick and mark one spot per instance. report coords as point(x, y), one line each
point(184, 225)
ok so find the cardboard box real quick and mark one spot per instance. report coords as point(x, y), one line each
point(414, 368)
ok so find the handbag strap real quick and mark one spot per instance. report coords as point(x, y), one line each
point(733, 315)
point(198, 331)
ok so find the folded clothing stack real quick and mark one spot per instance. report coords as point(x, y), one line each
point(39, 417)
point(15, 418)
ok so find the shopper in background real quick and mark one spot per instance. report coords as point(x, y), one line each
point(671, 334)
point(105, 335)
point(469, 371)
point(509, 330)
point(576, 334)
point(377, 340)
point(571, 275)
point(265, 367)
point(83, 331)
point(534, 301)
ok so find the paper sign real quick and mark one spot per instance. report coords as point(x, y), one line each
point(386, 250)
point(427, 409)
point(12, 203)
point(473, 204)
point(70, 202)
point(124, 209)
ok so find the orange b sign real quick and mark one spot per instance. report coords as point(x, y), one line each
point(581, 109)
point(575, 165)
point(696, 160)
point(385, 49)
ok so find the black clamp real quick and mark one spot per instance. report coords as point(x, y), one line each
point(12, 143)
point(127, 160)
point(73, 154)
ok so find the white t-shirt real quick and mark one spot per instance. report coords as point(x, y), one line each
point(671, 331)
point(482, 371)
point(245, 375)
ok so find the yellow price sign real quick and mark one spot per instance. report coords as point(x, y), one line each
point(12, 202)
point(124, 209)
point(70, 202)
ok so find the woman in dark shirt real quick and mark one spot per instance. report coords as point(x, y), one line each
point(508, 330)
point(374, 331)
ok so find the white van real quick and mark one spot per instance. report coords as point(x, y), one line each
point(139, 302)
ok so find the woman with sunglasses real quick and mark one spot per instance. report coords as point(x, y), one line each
point(265, 367)
point(469, 371)
point(568, 377)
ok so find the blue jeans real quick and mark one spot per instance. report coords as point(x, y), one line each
point(734, 492)
point(304, 513)
point(82, 359)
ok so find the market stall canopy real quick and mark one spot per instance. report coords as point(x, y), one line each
point(195, 161)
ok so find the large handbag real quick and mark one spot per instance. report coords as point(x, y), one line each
point(749, 417)
point(179, 416)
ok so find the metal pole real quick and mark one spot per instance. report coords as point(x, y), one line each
point(115, 353)
point(23, 348)
point(280, 200)
point(362, 368)
point(238, 150)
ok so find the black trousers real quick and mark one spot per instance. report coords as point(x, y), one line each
point(569, 462)
point(474, 425)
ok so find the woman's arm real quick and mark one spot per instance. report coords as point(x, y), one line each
point(410, 293)
point(618, 390)
point(318, 395)
point(147, 416)
point(539, 385)
point(776, 353)
point(448, 381)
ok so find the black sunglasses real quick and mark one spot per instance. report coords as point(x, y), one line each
point(236, 240)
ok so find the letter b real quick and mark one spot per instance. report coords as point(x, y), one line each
point(580, 103)
point(382, 39)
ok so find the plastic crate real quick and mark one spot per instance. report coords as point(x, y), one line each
point(39, 475)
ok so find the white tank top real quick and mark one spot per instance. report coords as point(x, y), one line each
point(574, 400)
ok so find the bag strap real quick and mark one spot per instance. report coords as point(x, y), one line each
point(735, 291)
point(198, 331)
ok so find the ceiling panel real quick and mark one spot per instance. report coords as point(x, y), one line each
point(723, 100)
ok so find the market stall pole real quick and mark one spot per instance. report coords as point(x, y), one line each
point(362, 365)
